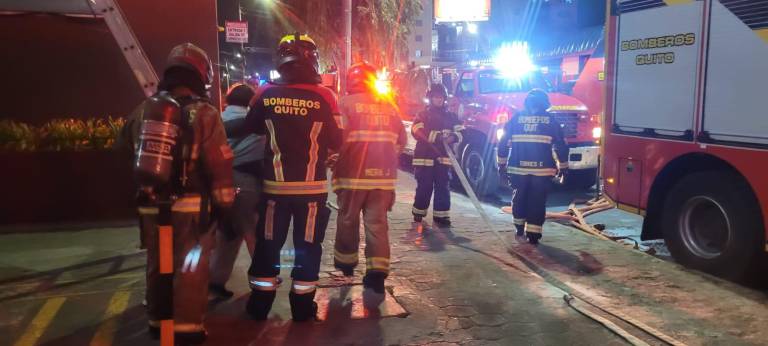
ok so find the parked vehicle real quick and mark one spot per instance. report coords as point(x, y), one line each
point(686, 134)
point(485, 99)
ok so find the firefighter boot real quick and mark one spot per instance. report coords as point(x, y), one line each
point(259, 304)
point(375, 281)
point(533, 238)
point(520, 230)
point(347, 270)
point(303, 306)
point(442, 221)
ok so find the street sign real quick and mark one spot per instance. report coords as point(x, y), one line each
point(237, 32)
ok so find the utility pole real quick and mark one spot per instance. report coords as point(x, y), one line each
point(242, 45)
point(347, 44)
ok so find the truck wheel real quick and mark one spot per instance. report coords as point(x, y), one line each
point(711, 222)
point(581, 179)
point(479, 166)
point(455, 182)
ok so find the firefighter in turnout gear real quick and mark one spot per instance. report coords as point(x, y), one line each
point(365, 175)
point(525, 155)
point(300, 119)
point(431, 128)
point(197, 162)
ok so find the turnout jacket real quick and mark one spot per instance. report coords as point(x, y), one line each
point(429, 127)
point(301, 124)
point(528, 144)
point(207, 156)
point(373, 138)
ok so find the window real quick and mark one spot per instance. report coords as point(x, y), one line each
point(418, 38)
point(418, 23)
point(492, 82)
point(466, 85)
point(417, 53)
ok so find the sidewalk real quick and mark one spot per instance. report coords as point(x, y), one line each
point(448, 287)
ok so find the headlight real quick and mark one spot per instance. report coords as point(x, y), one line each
point(597, 132)
point(499, 134)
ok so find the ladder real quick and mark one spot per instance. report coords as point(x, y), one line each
point(126, 40)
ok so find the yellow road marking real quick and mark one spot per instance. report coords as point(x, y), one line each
point(763, 34)
point(106, 332)
point(75, 294)
point(40, 323)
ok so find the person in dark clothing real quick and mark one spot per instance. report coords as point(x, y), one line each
point(202, 174)
point(248, 158)
point(525, 156)
point(431, 128)
point(300, 119)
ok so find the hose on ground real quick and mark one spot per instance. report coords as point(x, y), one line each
point(573, 215)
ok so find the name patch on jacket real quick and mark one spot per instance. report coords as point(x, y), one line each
point(291, 106)
point(374, 114)
point(531, 123)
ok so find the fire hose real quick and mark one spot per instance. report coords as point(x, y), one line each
point(575, 216)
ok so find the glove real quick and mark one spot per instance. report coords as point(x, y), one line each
point(560, 177)
point(224, 217)
point(503, 177)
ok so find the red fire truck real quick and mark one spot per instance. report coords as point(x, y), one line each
point(687, 135)
point(485, 99)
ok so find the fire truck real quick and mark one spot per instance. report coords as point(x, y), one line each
point(687, 135)
point(485, 98)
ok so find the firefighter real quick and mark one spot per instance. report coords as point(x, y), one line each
point(365, 174)
point(200, 168)
point(431, 128)
point(299, 118)
point(525, 156)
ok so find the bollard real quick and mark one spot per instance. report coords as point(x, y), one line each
point(165, 257)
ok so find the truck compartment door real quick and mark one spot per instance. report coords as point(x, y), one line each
point(737, 74)
point(657, 68)
point(630, 182)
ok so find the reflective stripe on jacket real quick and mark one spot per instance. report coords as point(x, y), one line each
point(428, 128)
point(528, 144)
point(209, 157)
point(300, 122)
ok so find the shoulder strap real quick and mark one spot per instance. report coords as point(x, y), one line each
point(187, 141)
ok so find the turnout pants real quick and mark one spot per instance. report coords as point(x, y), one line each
point(244, 221)
point(374, 204)
point(310, 218)
point(191, 249)
point(428, 179)
point(529, 201)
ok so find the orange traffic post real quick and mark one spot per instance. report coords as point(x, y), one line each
point(165, 257)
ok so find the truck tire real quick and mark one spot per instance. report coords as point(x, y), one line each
point(712, 222)
point(479, 166)
point(581, 179)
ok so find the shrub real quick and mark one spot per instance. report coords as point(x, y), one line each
point(67, 134)
point(16, 136)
